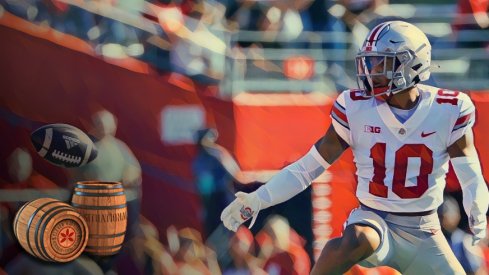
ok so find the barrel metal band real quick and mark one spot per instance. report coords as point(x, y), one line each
point(97, 207)
point(102, 247)
point(102, 236)
point(84, 194)
point(98, 187)
point(17, 218)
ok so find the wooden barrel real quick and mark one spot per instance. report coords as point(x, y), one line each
point(103, 205)
point(51, 230)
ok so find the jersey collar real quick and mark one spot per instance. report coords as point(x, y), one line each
point(404, 130)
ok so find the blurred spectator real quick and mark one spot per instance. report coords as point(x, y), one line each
point(118, 40)
point(243, 14)
point(359, 16)
point(219, 176)
point(21, 173)
point(287, 19)
point(470, 27)
point(281, 22)
point(145, 253)
point(472, 15)
point(243, 180)
point(26, 9)
point(58, 15)
point(460, 241)
point(162, 260)
point(156, 51)
point(19, 165)
point(199, 46)
point(190, 254)
point(213, 181)
point(354, 17)
point(281, 248)
point(66, 18)
point(115, 161)
point(321, 19)
point(114, 36)
point(157, 46)
point(22, 176)
point(242, 251)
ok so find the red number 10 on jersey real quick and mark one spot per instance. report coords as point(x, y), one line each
point(377, 186)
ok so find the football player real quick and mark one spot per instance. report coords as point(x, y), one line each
point(402, 134)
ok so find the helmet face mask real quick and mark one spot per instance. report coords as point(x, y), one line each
point(395, 56)
point(380, 73)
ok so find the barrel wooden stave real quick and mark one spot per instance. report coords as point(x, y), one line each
point(103, 205)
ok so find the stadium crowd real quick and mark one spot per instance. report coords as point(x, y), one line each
point(193, 38)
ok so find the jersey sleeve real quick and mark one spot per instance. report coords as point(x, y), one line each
point(339, 118)
point(465, 119)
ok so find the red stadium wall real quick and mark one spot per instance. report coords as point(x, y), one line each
point(48, 77)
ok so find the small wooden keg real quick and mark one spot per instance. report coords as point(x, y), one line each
point(51, 230)
point(103, 205)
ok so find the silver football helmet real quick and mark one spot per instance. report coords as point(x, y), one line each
point(397, 50)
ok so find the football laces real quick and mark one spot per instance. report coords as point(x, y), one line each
point(65, 157)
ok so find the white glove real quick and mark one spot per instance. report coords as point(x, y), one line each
point(478, 230)
point(244, 207)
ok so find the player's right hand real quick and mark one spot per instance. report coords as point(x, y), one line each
point(244, 207)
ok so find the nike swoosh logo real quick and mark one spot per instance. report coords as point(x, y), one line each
point(427, 134)
point(395, 42)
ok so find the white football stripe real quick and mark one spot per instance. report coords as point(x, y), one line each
point(48, 137)
point(87, 153)
point(43, 152)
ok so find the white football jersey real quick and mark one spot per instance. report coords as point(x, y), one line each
point(401, 167)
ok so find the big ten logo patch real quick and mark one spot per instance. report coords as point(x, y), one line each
point(372, 129)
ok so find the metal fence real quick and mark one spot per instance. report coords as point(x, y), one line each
point(459, 65)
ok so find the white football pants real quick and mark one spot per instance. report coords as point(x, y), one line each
point(409, 244)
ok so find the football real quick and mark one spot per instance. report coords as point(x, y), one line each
point(63, 145)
